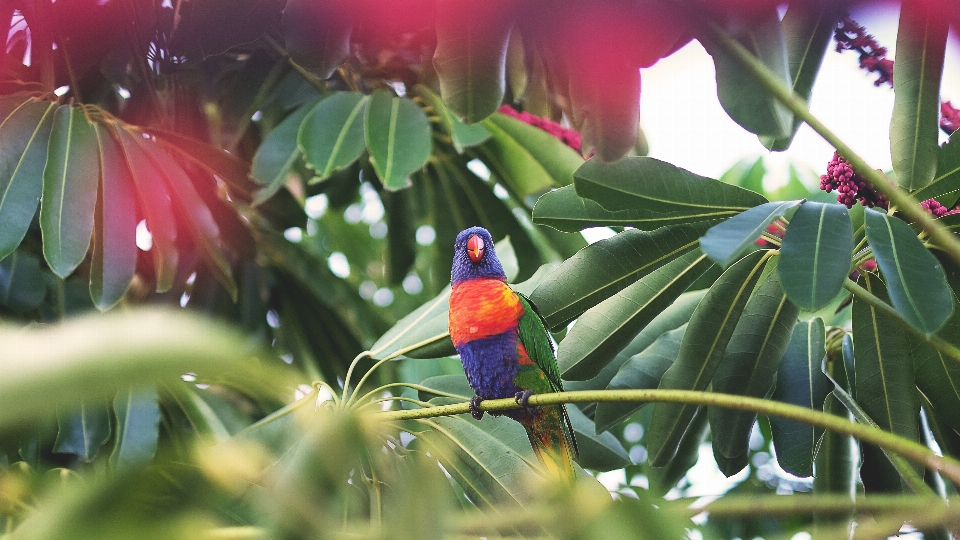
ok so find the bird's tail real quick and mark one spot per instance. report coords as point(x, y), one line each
point(553, 442)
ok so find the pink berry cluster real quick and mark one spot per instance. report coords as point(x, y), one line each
point(934, 207)
point(949, 118)
point(850, 186)
point(568, 137)
point(851, 36)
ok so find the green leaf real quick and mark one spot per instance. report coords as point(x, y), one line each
point(450, 384)
point(462, 135)
point(22, 287)
point(564, 210)
point(641, 371)
point(816, 254)
point(663, 479)
point(947, 179)
point(921, 45)
point(724, 242)
point(808, 28)
point(884, 372)
point(471, 54)
point(606, 267)
point(602, 331)
point(278, 152)
point(849, 371)
point(317, 34)
point(398, 137)
point(601, 452)
point(836, 459)
point(113, 261)
point(138, 423)
point(800, 381)
point(527, 158)
point(24, 132)
point(749, 367)
point(70, 179)
point(657, 186)
point(937, 376)
point(742, 96)
point(708, 333)
point(154, 200)
point(82, 429)
point(915, 279)
point(331, 134)
point(234, 171)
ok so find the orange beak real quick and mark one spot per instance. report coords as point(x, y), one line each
point(475, 248)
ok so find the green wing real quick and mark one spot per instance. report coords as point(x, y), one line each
point(536, 339)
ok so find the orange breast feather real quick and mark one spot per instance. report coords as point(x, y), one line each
point(480, 308)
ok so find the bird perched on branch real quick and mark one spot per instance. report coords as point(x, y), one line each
point(506, 350)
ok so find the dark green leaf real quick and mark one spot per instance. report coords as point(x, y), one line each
point(317, 34)
point(601, 332)
point(800, 381)
point(602, 452)
point(921, 44)
point(938, 376)
point(70, 179)
point(607, 267)
point(234, 172)
point(749, 367)
point(663, 479)
point(462, 135)
point(278, 152)
point(208, 28)
point(849, 372)
point(657, 186)
point(816, 254)
point(605, 101)
point(471, 54)
point(915, 279)
point(22, 287)
point(24, 132)
point(947, 180)
point(113, 261)
point(83, 429)
point(836, 461)
point(331, 134)
point(138, 422)
point(450, 384)
point(398, 137)
point(708, 333)
point(724, 242)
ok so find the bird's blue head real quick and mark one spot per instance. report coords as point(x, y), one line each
point(474, 257)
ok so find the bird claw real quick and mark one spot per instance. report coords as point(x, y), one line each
point(475, 407)
point(523, 398)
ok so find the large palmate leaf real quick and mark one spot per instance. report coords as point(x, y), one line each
point(921, 44)
point(660, 187)
point(138, 423)
point(800, 381)
point(708, 333)
point(816, 254)
point(471, 55)
point(749, 367)
point(398, 137)
point(915, 279)
point(113, 260)
point(601, 332)
point(724, 242)
point(70, 179)
point(947, 179)
point(82, 429)
point(606, 267)
point(278, 152)
point(331, 134)
point(25, 133)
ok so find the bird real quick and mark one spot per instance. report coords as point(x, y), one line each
point(506, 350)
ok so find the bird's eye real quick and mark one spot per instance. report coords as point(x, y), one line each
point(475, 248)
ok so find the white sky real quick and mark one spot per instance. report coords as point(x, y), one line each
point(686, 126)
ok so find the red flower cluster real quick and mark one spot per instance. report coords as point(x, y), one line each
point(568, 137)
point(934, 207)
point(949, 118)
point(851, 36)
point(851, 187)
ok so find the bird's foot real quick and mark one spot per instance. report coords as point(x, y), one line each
point(523, 398)
point(475, 407)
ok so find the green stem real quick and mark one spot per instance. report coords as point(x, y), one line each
point(347, 402)
point(911, 450)
point(798, 106)
point(418, 387)
point(733, 506)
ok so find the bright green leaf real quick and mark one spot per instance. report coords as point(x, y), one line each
point(398, 137)
point(816, 254)
point(724, 242)
point(331, 134)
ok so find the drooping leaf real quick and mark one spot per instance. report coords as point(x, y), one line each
point(138, 422)
point(398, 137)
point(70, 179)
point(816, 254)
point(211, 27)
point(278, 152)
point(607, 267)
point(462, 135)
point(921, 45)
point(749, 367)
point(743, 97)
point(658, 186)
point(601, 332)
point(800, 381)
point(331, 134)
point(25, 133)
point(527, 158)
point(947, 179)
point(22, 287)
point(849, 371)
point(82, 429)
point(114, 258)
point(724, 242)
point(708, 333)
point(605, 99)
point(663, 479)
point(915, 279)
point(471, 53)
point(602, 452)
point(154, 201)
point(641, 371)
point(937, 375)
point(317, 34)
point(234, 171)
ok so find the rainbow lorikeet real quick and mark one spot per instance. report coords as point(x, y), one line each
point(506, 350)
